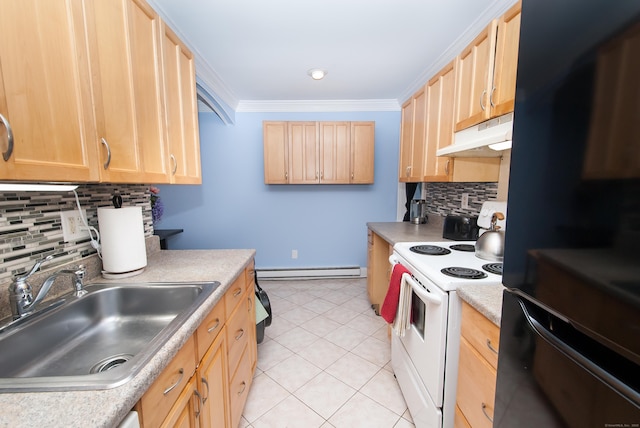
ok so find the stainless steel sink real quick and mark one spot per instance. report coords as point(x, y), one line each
point(98, 341)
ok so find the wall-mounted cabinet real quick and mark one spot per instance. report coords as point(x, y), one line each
point(412, 137)
point(124, 51)
point(318, 152)
point(45, 93)
point(426, 126)
point(486, 72)
point(82, 92)
point(181, 109)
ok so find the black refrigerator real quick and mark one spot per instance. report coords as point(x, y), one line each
point(570, 329)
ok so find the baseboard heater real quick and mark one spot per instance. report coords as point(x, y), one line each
point(323, 272)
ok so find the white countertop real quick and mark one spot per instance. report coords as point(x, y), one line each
point(106, 408)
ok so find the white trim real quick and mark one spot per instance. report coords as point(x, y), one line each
point(317, 105)
point(497, 9)
point(328, 272)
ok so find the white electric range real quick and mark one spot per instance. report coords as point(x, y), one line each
point(424, 353)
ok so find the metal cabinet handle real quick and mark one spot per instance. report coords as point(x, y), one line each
point(241, 333)
point(407, 171)
point(446, 167)
point(6, 155)
point(215, 326)
point(175, 165)
point(204, 381)
point(168, 390)
point(491, 98)
point(484, 407)
point(106, 144)
point(244, 386)
point(197, 394)
point(286, 175)
point(237, 292)
point(484, 92)
point(491, 348)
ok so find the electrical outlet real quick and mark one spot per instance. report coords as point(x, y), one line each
point(294, 254)
point(73, 228)
point(465, 200)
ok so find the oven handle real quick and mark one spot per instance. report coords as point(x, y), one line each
point(420, 292)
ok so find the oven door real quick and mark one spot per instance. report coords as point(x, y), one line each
point(425, 338)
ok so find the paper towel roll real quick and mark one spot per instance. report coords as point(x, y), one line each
point(122, 239)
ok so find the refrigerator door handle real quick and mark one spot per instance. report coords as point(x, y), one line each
point(574, 354)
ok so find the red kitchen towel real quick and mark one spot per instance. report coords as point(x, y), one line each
point(390, 304)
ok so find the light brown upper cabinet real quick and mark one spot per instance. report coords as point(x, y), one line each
point(276, 152)
point(45, 93)
point(412, 137)
point(318, 152)
point(426, 126)
point(303, 152)
point(440, 103)
point(82, 95)
point(181, 109)
point(362, 152)
point(486, 72)
point(125, 56)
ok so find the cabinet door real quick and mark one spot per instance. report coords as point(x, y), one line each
point(183, 414)
point(127, 90)
point(181, 109)
point(362, 152)
point(406, 142)
point(440, 90)
point(276, 152)
point(335, 152)
point(474, 75)
point(303, 153)
point(45, 92)
point(419, 139)
point(213, 381)
point(503, 93)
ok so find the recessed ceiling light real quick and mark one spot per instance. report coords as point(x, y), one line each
point(317, 74)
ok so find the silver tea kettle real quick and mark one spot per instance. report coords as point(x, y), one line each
point(490, 245)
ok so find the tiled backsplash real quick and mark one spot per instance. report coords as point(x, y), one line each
point(446, 198)
point(30, 225)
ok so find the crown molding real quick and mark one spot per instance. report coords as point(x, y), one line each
point(317, 105)
point(497, 9)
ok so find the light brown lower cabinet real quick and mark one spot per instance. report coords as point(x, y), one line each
point(476, 370)
point(378, 269)
point(207, 383)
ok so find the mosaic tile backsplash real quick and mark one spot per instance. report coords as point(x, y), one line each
point(30, 225)
point(446, 198)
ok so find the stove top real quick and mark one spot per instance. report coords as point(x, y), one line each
point(448, 264)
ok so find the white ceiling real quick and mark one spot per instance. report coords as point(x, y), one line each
point(254, 54)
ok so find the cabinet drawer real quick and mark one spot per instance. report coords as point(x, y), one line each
point(165, 391)
point(210, 328)
point(250, 274)
point(235, 293)
point(481, 333)
point(476, 386)
point(238, 333)
point(239, 387)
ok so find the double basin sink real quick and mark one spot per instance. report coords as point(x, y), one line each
point(97, 341)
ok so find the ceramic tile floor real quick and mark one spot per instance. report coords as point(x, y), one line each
point(324, 361)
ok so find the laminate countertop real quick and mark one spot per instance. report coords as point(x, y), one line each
point(107, 408)
point(485, 299)
point(403, 231)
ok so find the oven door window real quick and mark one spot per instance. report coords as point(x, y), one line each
point(418, 312)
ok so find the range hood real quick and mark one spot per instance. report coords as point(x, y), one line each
point(488, 139)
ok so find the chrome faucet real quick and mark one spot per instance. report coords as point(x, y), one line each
point(21, 293)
